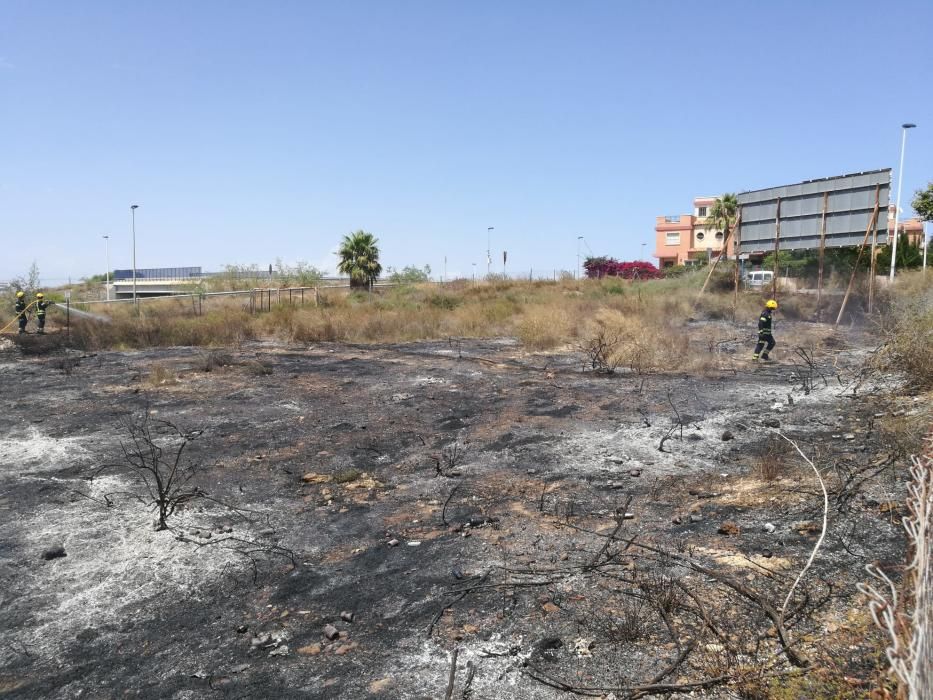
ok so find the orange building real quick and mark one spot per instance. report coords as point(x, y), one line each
point(912, 227)
point(687, 239)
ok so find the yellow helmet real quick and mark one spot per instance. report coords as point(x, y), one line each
point(40, 295)
point(771, 304)
point(20, 295)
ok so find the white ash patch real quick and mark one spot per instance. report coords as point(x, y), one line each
point(117, 566)
point(39, 452)
point(431, 380)
point(423, 671)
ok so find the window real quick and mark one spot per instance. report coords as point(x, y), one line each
point(700, 235)
point(672, 219)
point(672, 238)
point(701, 211)
point(719, 235)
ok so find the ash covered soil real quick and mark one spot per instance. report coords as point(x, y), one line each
point(542, 520)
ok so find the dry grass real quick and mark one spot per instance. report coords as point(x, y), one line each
point(646, 320)
point(771, 465)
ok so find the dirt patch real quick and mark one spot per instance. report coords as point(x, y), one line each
point(537, 518)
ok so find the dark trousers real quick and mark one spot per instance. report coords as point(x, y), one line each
point(762, 340)
point(40, 320)
point(22, 323)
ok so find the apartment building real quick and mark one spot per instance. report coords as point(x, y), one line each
point(685, 239)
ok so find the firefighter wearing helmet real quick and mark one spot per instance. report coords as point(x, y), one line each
point(41, 306)
point(765, 327)
point(20, 309)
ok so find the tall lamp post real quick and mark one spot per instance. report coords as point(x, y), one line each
point(107, 248)
point(579, 269)
point(900, 182)
point(489, 231)
point(133, 208)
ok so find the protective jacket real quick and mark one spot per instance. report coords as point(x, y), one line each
point(41, 306)
point(20, 306)
point(764, 323)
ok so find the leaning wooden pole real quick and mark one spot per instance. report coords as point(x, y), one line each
point(712, 268)
point(736, 240)
point(819, 278)
point(858, 259)
point(777, 247)
point(874, 250)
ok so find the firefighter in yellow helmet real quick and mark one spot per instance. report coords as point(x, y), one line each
point(765, 336)
point(41, 306)
point(20, 309)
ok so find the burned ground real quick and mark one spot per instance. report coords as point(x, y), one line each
point(561, 529)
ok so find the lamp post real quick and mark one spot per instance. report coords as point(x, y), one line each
point(107, 248)
point(900, 182)
point(579, 269)
point(133, 208)
point(489, 231)
point(643, 251)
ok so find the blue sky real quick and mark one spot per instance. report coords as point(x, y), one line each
point(250, 131)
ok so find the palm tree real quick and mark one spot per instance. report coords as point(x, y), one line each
point(722, 215)
point(359, 258)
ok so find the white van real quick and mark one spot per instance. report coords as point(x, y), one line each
point(759, 278)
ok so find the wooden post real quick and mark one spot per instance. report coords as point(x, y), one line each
point(819, 279)
point(858, 259)
point(777, 247)
point(871, 268)
point(725, 245)
point(736, 240)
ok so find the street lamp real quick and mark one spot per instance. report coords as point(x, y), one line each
point(133, 208)
point(579, 269)
point(643, 251)
point(489, 231)
point(107, 248)
point(900, 182)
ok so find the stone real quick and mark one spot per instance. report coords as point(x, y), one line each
point(635, 472)
point(848, 436)
point(695, 518)
point(261, 640)
point(310, 650)
point(280, 651)
point(729, 528)
point(768, 527)
point(343, 649)
point(331, 632)
point(771, 423)
point(767, 554)
point(727, 435)
point(550, 608)
point(347, 616)
point(677, 520)
point(54, 552)
point(239, 668)
point(241, 629)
